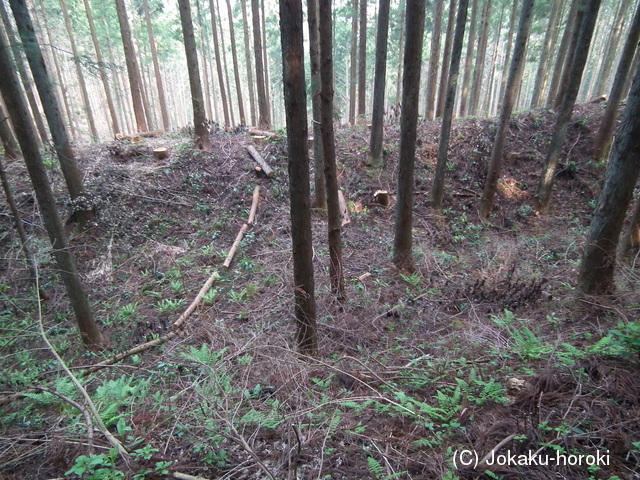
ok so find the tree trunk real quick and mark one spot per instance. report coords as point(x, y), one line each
point(478, 73)
point(403, 241)
point(166, 123)
point(446, 59)
point(264, 122)
point(132, 67)
point(571, 53)
point(542, 73)
point(295, 98)
point(199, 119)
point(225, 64)
point(489, 97)
point(204, 46)
point(336, 267)
point(562, 53)
point(83, 209)
point(513, 85)
point(236, 69)
point(247, 53)
point(631, 239)
point(9, 142)
point(612, 47)
point(353, 64)
point(26, 134)
point(216, 47)
point(437, 192)
point(377, 120)
point(569, 99)
point(318, 155)
point(598, 263)
point(400, 50)
point(602, 139)
point(434, 61)
point(468, 63)
point(362, 60)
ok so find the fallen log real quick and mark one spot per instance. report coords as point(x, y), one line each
point(260, 161)
point(244, 229)
point(262, 133)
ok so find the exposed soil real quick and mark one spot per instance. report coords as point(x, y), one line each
point(485, 348)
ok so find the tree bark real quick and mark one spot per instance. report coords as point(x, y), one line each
point(434, 61)
point(247, 53)
point(353, 64)
point(26, 135)
point(336, 267)
point(571, 53)
point(468, 63)
point(598, 263)
point(478, 74)
point(377, 120)
point(400, 50)
point(612, 47)
point(264, 121)
point(602, 139)
point(631, 239)
point(9, 142)
point(437, 192)
point(236, 69)
point(162, 99)
point(362, 60)
point(295, 98)
point(569, 99)
point(446, 59)
point(513, 85)
point(403, 241)
point(132, 67)
point(542, 73)
point(199, 119)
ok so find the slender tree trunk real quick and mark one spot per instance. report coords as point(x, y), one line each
point(247, 52)
point(598, 263)
point(437, 192)
point(362, 60)
point(216, 47)
point(336, 267)
point(562, 52)
point(571, 52)
point(204, 46)
point(487, 104)
point(400, 50)
point(446, 59)
point(434, 61)
point(513, 85)
point(225, 64)
point(236, 69)
point(468, 63)
point(353, 64)
point(265, 55)
point(612, 47)
point(26, 134)
point(602, 139)
point(115, 127)
point(148, 114)
point(403, 241)
point(132, 67)
point(542, 73)
point(295, 98)
point(377, 120)
point(81, 81)
point(9, 142)
point(164, 111)
point(478, 73)
point(263, 107)
point(318, 154)
point(199, 119)
point(569, 99)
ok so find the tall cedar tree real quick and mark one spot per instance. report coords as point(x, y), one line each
point(562, 52)
point(236, 69)
point(512, 27)
point(377, 117)
point(264, 121)
point(247, 57)
point(221, 83)
point(571, 52)
point(598, 263)
point(513, 85)
point(569, 100)
point(353, 63)
point(434, 62)
point(62, 252)
point(131, 62)
point(602, 139)
point(468, 62)
point(403, 241)
point(295, 98)
point(478, 73)
point(199, 119)
point(362, 60)
point(446, 59)
point(612, 46)
point(162, 99)
point(400, 50)
point(320, 189)
point(542, 73)
point(447, 114)
point(83, 210)
point(336, 268)
point(224, 63)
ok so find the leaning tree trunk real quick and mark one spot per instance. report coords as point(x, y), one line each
point(571, 53)
point(82, 206)
point(434, 62)
point(542, 73)
point(598, 263)
point(562, 53)
point(446, 59)
point(437, 191)
point(264, 121)
point(199, 118)
point(403, 241)
point(362, 60)
point(26, 134)
point(569, 100)
point(295, 98)
point(513, 85)
point(602, 139)
point(377, 120)
point(336, 267)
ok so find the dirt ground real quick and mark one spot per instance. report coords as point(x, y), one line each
point(485, 349)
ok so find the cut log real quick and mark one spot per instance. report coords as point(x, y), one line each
point(260, 161)
point(254, 206)
point(381, 197)
point(263, 133)
point(344, 209)
point(160, 153)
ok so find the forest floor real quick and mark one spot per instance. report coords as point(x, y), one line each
point(486, 348)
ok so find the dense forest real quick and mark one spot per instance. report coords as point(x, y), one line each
point(320, 240)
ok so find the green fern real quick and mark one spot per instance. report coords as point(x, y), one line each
point(374, 466)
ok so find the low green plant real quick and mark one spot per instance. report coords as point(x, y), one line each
point(167, 305)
